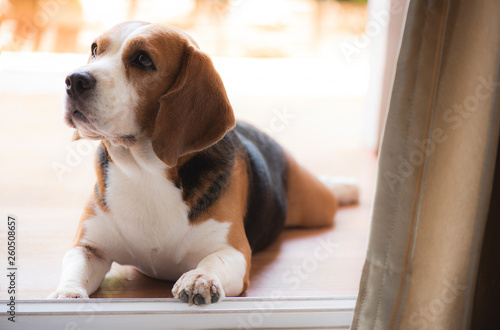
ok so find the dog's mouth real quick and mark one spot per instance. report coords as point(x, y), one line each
point(77, 119)
point(79, 116)
point(88, 128)
point(76, 116)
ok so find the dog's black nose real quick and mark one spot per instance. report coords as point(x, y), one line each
point(78, 83)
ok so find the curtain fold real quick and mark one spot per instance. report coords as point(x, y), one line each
point(435, 174)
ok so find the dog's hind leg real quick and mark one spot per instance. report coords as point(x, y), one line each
point(313, 201)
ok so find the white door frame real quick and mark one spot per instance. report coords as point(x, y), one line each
point(168, 313)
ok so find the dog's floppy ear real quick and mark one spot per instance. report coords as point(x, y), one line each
point(195, 112)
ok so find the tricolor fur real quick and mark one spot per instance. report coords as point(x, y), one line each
point(183, 192)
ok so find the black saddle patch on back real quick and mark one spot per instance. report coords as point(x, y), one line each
point(206, 175)
point(268, 175)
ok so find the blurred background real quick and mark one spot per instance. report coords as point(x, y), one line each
point(299, 69)
point(314, 74)
point(257, 28)
point(269, 52)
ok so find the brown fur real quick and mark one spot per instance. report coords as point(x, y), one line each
point(101, 183)
point(195, 113)
point(165, 49)
point(102, 43)
point(231, 207)
point(184, 82)
point(310, 203)
point(88, 212)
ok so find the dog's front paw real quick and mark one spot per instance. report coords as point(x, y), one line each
point(196, 287)
point(69, 293)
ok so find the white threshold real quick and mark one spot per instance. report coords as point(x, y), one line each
point(168, 313)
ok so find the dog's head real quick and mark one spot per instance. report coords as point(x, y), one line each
point(149, 81)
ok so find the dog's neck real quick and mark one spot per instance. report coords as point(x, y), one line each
point(135, 160)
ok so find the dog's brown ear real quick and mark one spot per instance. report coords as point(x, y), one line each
point(195, 112)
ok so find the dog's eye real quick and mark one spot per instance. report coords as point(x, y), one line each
point(143, 61)
point(94, 50)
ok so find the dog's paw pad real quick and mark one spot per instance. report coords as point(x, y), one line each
point(195, 287)
point(215, 297)
point(183, 296)
point(198, 299)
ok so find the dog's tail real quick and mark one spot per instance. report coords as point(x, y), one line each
point(345, 189)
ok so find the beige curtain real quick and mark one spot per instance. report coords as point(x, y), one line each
point(436, 167)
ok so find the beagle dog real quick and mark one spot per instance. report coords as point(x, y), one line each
point(183, 191)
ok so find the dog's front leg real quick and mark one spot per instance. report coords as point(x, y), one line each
point(84, 269)
point(221, 273)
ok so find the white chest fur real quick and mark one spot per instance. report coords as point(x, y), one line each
point(147, 225)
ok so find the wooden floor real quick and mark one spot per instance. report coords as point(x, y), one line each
point(45, 180)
